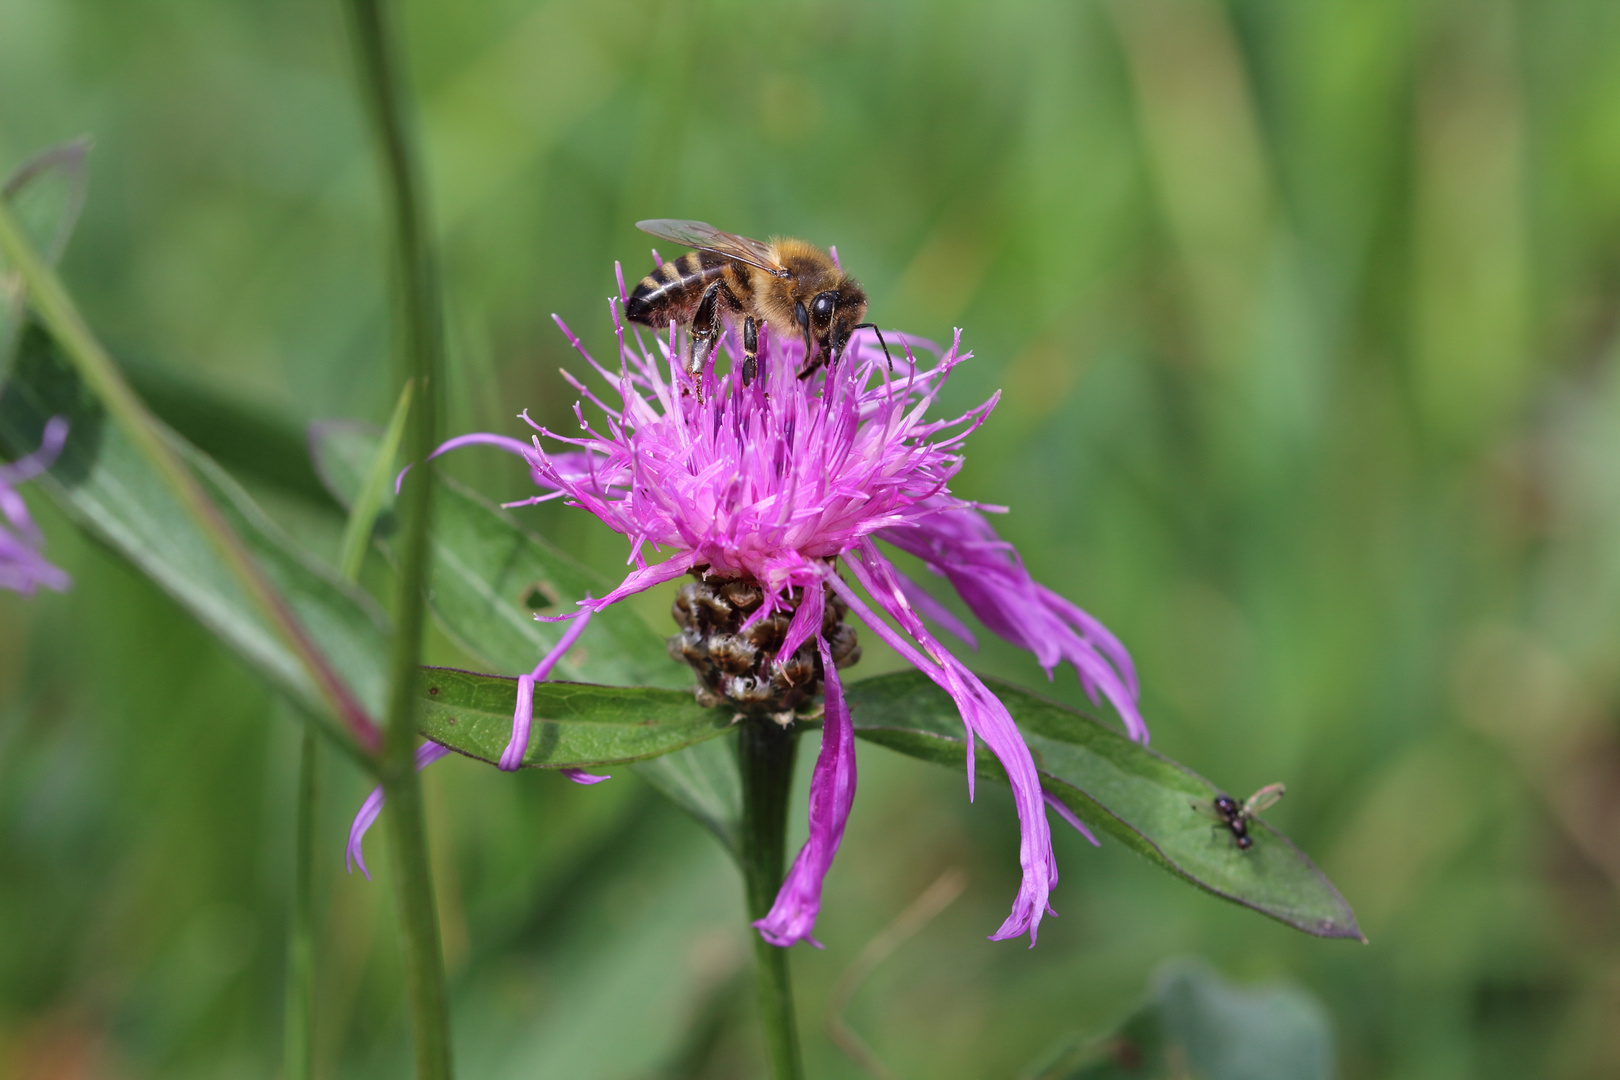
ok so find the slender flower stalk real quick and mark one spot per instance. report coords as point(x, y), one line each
point(299, 1024)
point(421, 306)
point(299, 1061)
point(23, 566)
point(775, 496)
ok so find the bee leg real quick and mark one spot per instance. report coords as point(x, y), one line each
point(750, 349)
point(802, 317)
point(705, 329)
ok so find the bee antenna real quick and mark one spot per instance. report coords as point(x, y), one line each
point(874, 328)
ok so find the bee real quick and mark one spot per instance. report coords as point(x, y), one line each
point(1235, 816)
point(785, 283)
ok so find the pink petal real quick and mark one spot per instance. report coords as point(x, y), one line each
point(523, 716)
point(832, 793)
point(371, 809)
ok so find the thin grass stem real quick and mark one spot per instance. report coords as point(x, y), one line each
point(299, 1057)
point(420, 306)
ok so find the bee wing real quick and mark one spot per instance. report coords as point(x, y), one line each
point(1263, 799)
point(697, 234)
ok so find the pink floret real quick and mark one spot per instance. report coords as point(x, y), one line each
point(23, 566)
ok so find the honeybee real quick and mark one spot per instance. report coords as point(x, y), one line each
point(1235, 816)
point(781, 284)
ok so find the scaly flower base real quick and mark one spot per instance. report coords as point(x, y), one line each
point(732, 644)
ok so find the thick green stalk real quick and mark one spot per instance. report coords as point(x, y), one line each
point(61, 317)
point(300, 1020)
point(765, 754)
point(421, 310)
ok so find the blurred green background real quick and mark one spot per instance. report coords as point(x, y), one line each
point(1305, 318)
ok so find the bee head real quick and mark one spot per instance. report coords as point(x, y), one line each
point(833, 315)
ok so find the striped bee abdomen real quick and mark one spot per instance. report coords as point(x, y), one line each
point(672, 291)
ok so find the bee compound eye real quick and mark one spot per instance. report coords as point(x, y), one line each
point(822, 306)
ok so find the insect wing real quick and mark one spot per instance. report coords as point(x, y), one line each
point(1264, 799)
point(1207, 808)
point(697, 234)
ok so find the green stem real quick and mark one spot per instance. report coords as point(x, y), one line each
point(421, 310)
point(59, 314)
point(765, 754)
point(300, 1034)
point(300, 1043)
point(419, 926)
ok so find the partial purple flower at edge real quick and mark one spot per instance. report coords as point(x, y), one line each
point(23, 566)
point(783, 482)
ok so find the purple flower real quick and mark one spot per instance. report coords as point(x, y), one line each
point(23, 567)
point(765, 492)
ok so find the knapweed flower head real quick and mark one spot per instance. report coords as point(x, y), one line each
point(23, 566)
point(776, 496)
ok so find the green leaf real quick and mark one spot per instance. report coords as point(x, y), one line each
point(108, 488)
point(576, 725)
point(1139, 796)
point(46, 193)
point(1198, 1024)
